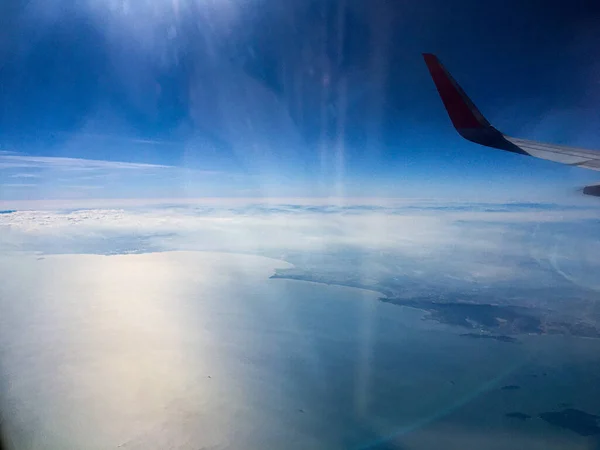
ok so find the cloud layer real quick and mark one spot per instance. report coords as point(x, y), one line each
point(513, 244)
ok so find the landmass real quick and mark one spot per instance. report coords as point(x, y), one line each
point(518, 415)
point(492, 320)
point(496, 337)
point(498, 320)
point(314, 277)
point(580, 422)
point(506, 319)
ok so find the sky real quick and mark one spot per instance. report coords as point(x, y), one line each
point(262, 98)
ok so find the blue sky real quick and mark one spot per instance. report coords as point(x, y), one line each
point(259, 98)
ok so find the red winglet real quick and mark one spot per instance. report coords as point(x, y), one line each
point(463, 113)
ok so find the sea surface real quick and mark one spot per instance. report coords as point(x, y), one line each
point(192, 350)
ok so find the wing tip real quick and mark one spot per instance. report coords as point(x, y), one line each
point(463, 113)
point(430, 60)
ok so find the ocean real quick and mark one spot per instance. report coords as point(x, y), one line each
point(196, 350)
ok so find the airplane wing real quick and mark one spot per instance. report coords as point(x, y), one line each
point(470, 124)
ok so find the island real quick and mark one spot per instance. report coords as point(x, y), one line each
point(510, 387)
point(496, 337)
point(578, 421)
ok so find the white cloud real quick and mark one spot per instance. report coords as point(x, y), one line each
point(10, 161)
point(85, 187)
point(25, 175)
point(68, 178)
point(113, 137)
